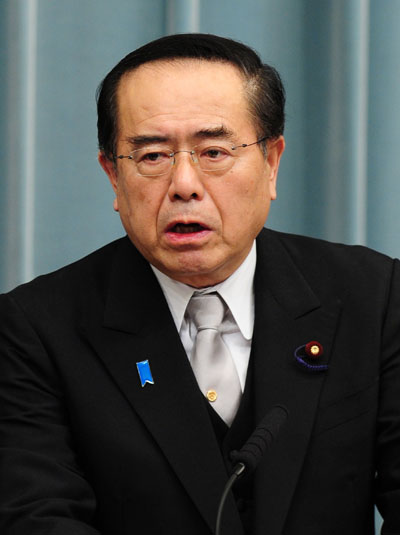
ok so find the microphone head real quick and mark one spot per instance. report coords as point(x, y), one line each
point(261, 439)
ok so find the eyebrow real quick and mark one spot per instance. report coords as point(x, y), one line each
point(217, 132)
point(141, 141)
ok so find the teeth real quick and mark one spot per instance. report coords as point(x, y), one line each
point(182, 228)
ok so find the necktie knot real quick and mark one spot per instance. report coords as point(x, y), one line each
point(206, 311)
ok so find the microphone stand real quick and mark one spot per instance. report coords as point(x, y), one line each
point(237, 471)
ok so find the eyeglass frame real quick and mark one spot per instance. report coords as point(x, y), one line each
point(192, 152)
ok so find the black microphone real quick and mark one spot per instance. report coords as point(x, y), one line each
point(247, 459)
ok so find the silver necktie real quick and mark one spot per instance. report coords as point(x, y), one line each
point(212, 362)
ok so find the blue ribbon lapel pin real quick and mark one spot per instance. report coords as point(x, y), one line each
point(144, 372)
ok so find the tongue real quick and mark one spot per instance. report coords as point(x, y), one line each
point(182, 228)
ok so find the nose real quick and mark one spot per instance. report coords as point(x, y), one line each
point(186, 183)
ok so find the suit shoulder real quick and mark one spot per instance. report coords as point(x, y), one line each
point(70, 279)
point(334, 266)
point(310, 250)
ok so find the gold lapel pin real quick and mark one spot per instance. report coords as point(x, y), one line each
point(310, 352)
point(314, 349)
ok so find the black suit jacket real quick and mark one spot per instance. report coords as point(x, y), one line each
point(85, 449)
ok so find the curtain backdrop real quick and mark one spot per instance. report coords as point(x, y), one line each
point(339, 59)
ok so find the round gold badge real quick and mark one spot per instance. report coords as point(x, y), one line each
point(211, 395)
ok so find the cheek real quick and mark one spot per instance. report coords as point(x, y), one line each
point(136, 197)
point(245, 207)
point(139, 207)
point(248, 195)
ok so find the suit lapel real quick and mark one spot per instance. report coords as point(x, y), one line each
point(138, 326)
point(288, 315)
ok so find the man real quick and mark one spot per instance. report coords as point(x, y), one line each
point(113, 417)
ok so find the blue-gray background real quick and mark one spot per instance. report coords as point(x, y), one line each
point(339, 59)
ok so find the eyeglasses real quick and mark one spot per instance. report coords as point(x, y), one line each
point(157, 161)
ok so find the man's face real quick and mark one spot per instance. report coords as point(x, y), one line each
point(195, 227)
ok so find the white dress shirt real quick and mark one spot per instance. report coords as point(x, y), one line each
point(238, 293)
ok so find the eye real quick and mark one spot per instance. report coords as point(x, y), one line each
point(153, 157)
point(214, 153)
point(150, 156)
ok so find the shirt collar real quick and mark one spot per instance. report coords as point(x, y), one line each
point(237, 291)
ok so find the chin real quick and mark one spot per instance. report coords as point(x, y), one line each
point(201, 276)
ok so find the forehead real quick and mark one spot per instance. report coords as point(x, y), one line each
point(182, 94)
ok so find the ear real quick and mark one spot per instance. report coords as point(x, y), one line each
point(275, 148)
point(111, 171)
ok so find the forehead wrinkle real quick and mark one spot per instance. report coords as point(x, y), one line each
point(168, 69)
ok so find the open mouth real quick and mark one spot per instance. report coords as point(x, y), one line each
point(187, 228)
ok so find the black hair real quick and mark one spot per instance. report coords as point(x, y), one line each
point(264, 88)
